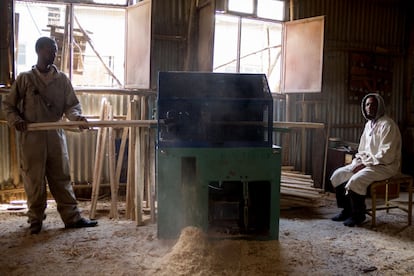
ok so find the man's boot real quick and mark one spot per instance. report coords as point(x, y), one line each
point(358, 209)
point(343, 201)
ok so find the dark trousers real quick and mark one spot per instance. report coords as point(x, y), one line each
point(352, 203)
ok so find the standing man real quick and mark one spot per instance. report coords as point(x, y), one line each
point(44, 94)
point(378, 158)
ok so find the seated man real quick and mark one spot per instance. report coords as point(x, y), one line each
point(378, 158)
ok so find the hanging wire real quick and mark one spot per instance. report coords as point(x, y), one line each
point(31, 16)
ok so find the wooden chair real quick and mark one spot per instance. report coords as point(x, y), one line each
point(386, 185)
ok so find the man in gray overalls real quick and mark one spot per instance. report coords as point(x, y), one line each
point(44, 94)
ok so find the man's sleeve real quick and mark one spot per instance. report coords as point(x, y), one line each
point(73, 110)
point(10, 103)
point(388, 145)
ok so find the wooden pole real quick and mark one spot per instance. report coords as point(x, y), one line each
point(91, 124)
point(152, 173)
point(146, 123)
point(111, 154)
point(98, 162)
point(14, 160)
point(130, 192)
point(141, 166)
point(122, 149)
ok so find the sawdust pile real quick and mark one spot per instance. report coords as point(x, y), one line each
point(195, 254)
point(189, 255)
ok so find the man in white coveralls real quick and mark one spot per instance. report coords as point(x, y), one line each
point(378, 158)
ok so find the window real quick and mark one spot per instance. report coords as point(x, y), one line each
point(250, 44)
point(271, 9)
point(22, 54)
point(95, 56)
point(99, 46)
point(242, 6)
point(53, 16)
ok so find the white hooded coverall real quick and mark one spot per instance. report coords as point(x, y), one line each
point(379, 150)
point(43, 154)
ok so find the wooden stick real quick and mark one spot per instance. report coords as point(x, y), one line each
point(297, 175)
point(97, 164)
point(111, 154)
point(297, 193)
point(298, 124)
point(101, 123)
point(121, 153)
point(152, 173)
point(302, 188)
point(122, 149)
point(296, 181)
point(130, 192)
point(141, 166)
point(14, 160)
point(145, 123)
point(140, 175)
point(99, 171)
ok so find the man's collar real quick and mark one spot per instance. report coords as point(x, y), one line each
point(52, 67)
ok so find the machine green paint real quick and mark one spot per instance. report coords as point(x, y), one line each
point(185, 176)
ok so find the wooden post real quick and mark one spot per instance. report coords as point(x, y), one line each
point(122, 149)
point(99, 153)
point(130, 192)
point(141, 166)
point(111, 154)
point(14, 163)
point(152, 173)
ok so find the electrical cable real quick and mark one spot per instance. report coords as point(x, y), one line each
point(31, 16)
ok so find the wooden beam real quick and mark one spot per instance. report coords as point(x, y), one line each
point(100, 123)
point(145, 123)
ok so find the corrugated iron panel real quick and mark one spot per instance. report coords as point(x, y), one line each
point(371, 26)
point(91, 103)
point(356, 24)
point(82, 148)
point(81, 145)
point(346, 119)
point(170, 23)
point(170, 17)
point(5, 166)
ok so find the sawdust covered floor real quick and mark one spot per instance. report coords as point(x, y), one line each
point(309, 244)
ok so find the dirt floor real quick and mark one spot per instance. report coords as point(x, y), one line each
point(309, 244)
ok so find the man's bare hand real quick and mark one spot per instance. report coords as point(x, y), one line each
point(83, 126)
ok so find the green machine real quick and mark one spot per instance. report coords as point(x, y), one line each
point(216, 166)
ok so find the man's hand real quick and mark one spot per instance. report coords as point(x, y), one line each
point(83, 126)
point(358, 168)
point(21, 125)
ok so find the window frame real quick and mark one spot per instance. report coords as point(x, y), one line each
point(240, 17)
point(68, 49)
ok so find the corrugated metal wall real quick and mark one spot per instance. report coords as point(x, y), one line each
point(169, 36)
point(369, 26)
point(5, 166)
point(373, 26)
point(82, 145)
point(358, 24)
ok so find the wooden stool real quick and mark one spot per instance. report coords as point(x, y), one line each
point(396, 180)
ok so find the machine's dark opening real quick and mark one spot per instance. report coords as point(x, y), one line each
point(239, 208)
point(188, 171)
